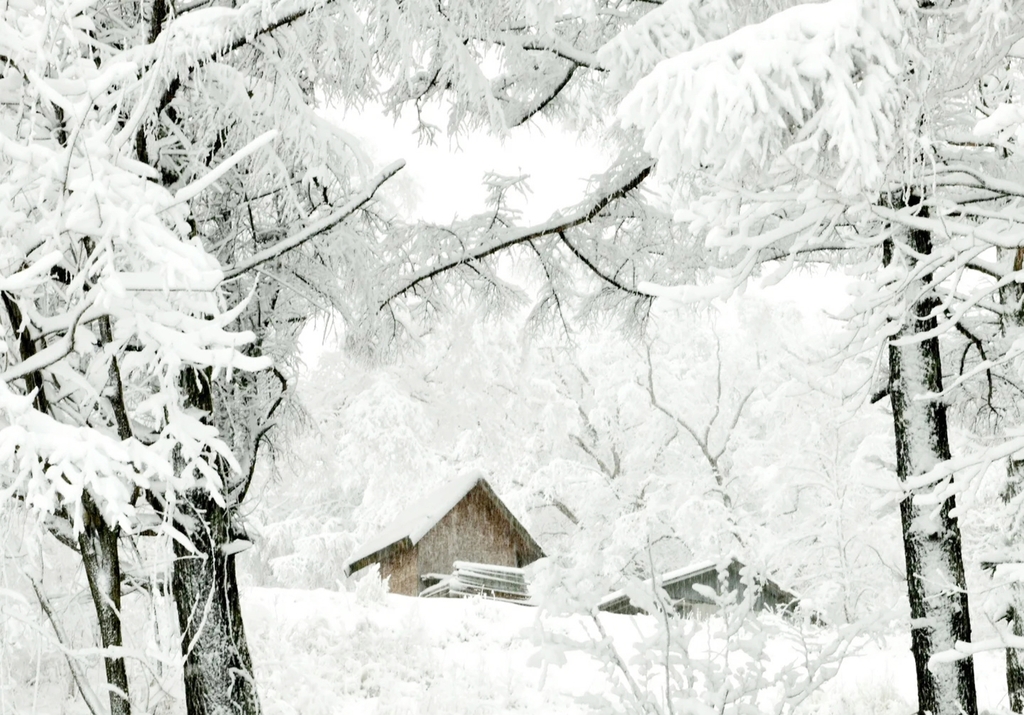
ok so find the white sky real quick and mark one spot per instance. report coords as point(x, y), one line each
point(445, 180)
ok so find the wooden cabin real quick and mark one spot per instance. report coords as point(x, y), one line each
point(462, 521)
point(679, 585)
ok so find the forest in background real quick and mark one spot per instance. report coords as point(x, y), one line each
point(752, 443)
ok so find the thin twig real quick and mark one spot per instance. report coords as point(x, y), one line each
point(665, 608)
point(91, 701)
point(638, 693)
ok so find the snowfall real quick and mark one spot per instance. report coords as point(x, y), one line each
point(365, 651)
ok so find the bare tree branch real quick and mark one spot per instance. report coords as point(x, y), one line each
point(91, 701)
point(713, 460)
point(565, 510)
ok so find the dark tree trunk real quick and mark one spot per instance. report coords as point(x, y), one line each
point(1014, 661)
point(98, 544)
point(1015, 613)
point(1013, 295)
point(218, 667)
point(931, 536)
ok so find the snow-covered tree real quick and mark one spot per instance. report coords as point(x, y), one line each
point(854, 128)
point(171, 197)
point(157, 159)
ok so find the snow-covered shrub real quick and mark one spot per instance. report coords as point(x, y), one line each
point(736, 661)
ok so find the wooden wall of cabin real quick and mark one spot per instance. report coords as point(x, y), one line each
point(473, 531)
point(401, 568)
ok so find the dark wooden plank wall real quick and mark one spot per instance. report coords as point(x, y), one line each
point(400, 566)
point(475, 530)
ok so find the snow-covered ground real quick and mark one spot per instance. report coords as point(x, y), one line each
point(319, 652)
point(366, 652)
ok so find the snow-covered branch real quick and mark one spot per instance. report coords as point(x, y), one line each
point(583, 213)
point(54, 351)
point(317, 228)
point(825, 74)
point(187, 193)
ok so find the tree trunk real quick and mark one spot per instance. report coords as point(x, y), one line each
point(218, 667)
point(1014, 660)
point(1015, 613)
point(1013, 296)
point(931, 536)
point(98, 543)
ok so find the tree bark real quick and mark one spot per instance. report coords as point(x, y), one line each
point(98, 544)
point(1014, 660)
point(218, 667)
point(936, 584)
point(1015, 613)
point(1013, 296)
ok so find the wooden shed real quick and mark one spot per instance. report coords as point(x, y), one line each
point(689, 602)
point(464, 520)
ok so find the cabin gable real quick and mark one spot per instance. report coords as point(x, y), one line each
point(474, 530)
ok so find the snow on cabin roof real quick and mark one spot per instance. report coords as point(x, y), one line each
point(667, 578)
point(687, 572)
point(413, 523)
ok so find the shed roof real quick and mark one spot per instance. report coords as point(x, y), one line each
point(666, 579)
point(416, 520)
point(689, 573)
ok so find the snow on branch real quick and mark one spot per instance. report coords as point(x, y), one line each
point(319, 227)
point(212, 31)
point(54, 351)
point(813, 81)
point(186, 193)
point(967, 650)
point(52, 464)
point(975, 463)
point(669, 30)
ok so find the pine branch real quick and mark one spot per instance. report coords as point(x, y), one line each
point(524, 235)
point(546, 99)
point(324, 224)
point(597, 271)
point(559, 49)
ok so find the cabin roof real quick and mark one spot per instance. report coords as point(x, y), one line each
point(667, 579)
point(416, 520)
point(687, 573)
